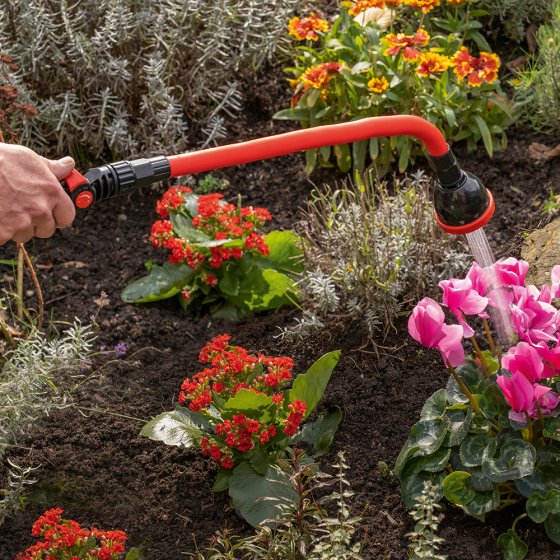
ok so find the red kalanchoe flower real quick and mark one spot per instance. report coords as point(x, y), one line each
point(171, 200)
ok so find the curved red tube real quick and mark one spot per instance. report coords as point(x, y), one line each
point(307, 139)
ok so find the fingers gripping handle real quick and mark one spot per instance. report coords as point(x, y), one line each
point(79, 189)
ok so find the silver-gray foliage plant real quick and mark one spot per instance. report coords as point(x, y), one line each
point(424, 540)
point(29, 389)
point(367, 252)
point(133, 76)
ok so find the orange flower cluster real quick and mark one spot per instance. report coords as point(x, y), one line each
point(425, 5)
point(305, 29)
point(319, 76)
point(66, 540)
point(433, 63)
point(232, 368)
point(407, 43)
point(477, 70)
point(218, 221)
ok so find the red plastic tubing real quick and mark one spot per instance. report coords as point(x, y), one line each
point(308, 139)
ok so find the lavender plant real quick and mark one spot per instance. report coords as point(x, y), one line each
point(367, 251)
point(135, 77)
point(516, 15)
point(28, 390)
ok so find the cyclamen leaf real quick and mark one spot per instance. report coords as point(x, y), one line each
point(310, 386)
point(539, 507)
point(552, 427)
point(552, 527)
point(476, 448)
point(434, 407)
point(413, 485)
point(516, 459)
point(173, 428)
point(457, 488)
point(512, 547)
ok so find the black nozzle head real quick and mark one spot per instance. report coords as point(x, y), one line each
point(461, 201)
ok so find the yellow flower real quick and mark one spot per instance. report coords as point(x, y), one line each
point(433, 63)
point(425, 5)
point(378, 85)
point(455, 2)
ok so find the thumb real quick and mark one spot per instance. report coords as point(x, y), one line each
point(61, 168)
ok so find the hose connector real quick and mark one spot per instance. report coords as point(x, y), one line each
point(462, 203)
point(121, 177)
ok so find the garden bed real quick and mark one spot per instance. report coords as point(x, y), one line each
point(97, 467)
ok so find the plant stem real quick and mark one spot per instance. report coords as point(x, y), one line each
point(20, 282)
point(518, 519)
point(493, 347)
point(7, 335)
point(464, 388)
point(37, 287)
point(483, 362)
point(529, 426)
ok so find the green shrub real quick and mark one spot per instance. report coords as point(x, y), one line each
point(516, 15)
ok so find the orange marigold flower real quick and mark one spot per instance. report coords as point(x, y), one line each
point(358, 6)
point(378, 85)
point(433, 63)
point(304, 29)
point(319, 76)
point(425, 5)
point(477, 70)
point(406, 43)
point(455, 2)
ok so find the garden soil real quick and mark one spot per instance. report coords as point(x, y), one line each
point(95, 465)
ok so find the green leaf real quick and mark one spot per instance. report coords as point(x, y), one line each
point(295, 114)
point(459, 425)
point(310, 161)
point(475, 449)
point(457, 488)
point(343, 157)
point(425, 438)
point(512, 547)
point(222, 481)
point(173, 428)
point(229, 284)
point(133, 554)
point(359, 154)
point(485, 133)
point(546, 476)
point(310, 386)
point(552, 527)
point(162, 282)
point(539, 507)
point(183, 228)
point(256, 498)
point(254, 405)
point(483, 502)
point(320, 433)
point(404, 155)
point(435, 405)
point(285, 252)
point(435, 462)
point(260, 461)
point(552, 427)
point(516, 459)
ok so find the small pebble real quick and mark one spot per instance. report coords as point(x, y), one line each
point(29, 293)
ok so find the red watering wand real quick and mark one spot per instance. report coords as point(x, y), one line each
point(462, 203)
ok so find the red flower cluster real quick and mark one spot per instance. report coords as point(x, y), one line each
point(231, 369)
point(65, 539)
point(218, 221)
point(477, 70)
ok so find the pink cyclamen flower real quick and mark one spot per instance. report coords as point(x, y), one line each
point(518, 390)
point(479, 279)
point(555, 279)
point(534, 318)
point(525, 359)
point(426, 325)
point(511, 272)
point(460, 297)
point(551, 360)
point(548, 401)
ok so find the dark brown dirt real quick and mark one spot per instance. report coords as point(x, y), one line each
point(101, 472)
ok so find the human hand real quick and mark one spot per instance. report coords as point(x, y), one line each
point(32, 201)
